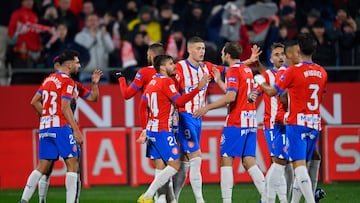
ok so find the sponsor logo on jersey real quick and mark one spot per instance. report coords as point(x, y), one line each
point(69, 89)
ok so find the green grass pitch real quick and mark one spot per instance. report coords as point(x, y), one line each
point(244, 193)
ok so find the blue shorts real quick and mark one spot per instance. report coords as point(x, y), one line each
point(57, 141)
point(277, 141)
point(162, 145)
point(302, 142)
point(189, 133)
point(238, 142)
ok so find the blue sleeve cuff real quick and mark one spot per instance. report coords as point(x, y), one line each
point(280, 91)
point(66, 97)
point(175, 97)
point(39, 92)
point(87, 95)
point(232, 89)
point(182, 91)
point(144, 98)
point(136, 87)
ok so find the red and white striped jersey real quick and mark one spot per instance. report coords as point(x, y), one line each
point(305, 83)
point(55, 87)
point(242, 113)
point(159, 95)
point(189, 77)
point(274, 109)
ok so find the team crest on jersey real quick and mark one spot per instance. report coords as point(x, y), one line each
point(191, 144)
point(138, 76)
point(231, 79)
point(70, 89)
point(175, 150)
point(282, 77)
point(74, 148)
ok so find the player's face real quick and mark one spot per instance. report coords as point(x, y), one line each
point(75, 65)
point(197, 51)
point(277, 57)
point(170, 68)
point(223, 58)
point(293, 55)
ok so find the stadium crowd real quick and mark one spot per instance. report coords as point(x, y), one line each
point(116, 34)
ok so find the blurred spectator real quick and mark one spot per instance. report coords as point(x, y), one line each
point(131, 11)
point(231, 21)
point(25, 40)
point(87, 9)
point(140, 47)
point(195, 22)
point(312, 16)
point(287, 16)
point(325, 54)
point(60, 42)
point(99, 44)
point(7, 8)
point(347, 44)
point(118, 33)
point(66, 15)
point(167, 21)
point(214, 25)
point(49, 18)
point(75, 6)
point(145, 23)
point(259, 17)
point(176, 44)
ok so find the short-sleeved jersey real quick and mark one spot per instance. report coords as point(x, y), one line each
point(81, 91)
point(55, 87)
point(274, 109)
point(305, 83)
point(143, 78)
point(189, 77)
point(242, 113)
point(160, 94)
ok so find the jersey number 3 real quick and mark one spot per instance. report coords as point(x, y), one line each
point(314, 103)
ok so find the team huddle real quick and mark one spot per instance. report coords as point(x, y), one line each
point(172, 104)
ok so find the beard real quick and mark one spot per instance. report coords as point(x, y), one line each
point(170, 73)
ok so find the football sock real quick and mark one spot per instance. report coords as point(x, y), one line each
point(270, 183)
point(226, 183)
point(259, 180)
point(170, 196)
point(304, 182)
point(196, 179)
point(30, 187)
point(159, 181)
point(43, 187)
point(70, 184)
point(160, 195)
point(180, 177)
point(289, 176)
point(296, 192)
point(279, 171)
point(314, 166)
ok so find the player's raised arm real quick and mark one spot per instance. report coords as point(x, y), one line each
point(95, 78)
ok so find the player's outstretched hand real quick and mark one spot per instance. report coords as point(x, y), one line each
point(142, 137)
point(95, 78)
point(216, 74)
point(200, 112)
point(259, 79)
point(204, 81)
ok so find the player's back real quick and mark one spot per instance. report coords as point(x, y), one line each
point(161, 109)
point(305, 94)
point(271, 102)
point(55, 87)
point(242, 113)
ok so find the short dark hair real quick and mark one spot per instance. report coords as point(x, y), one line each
point(157, 48)
point(234, 49)
point(195, 39)
point(276, 45)
point(307, 43)
point(67, 55)
point(289, 44)
point(160, 60)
